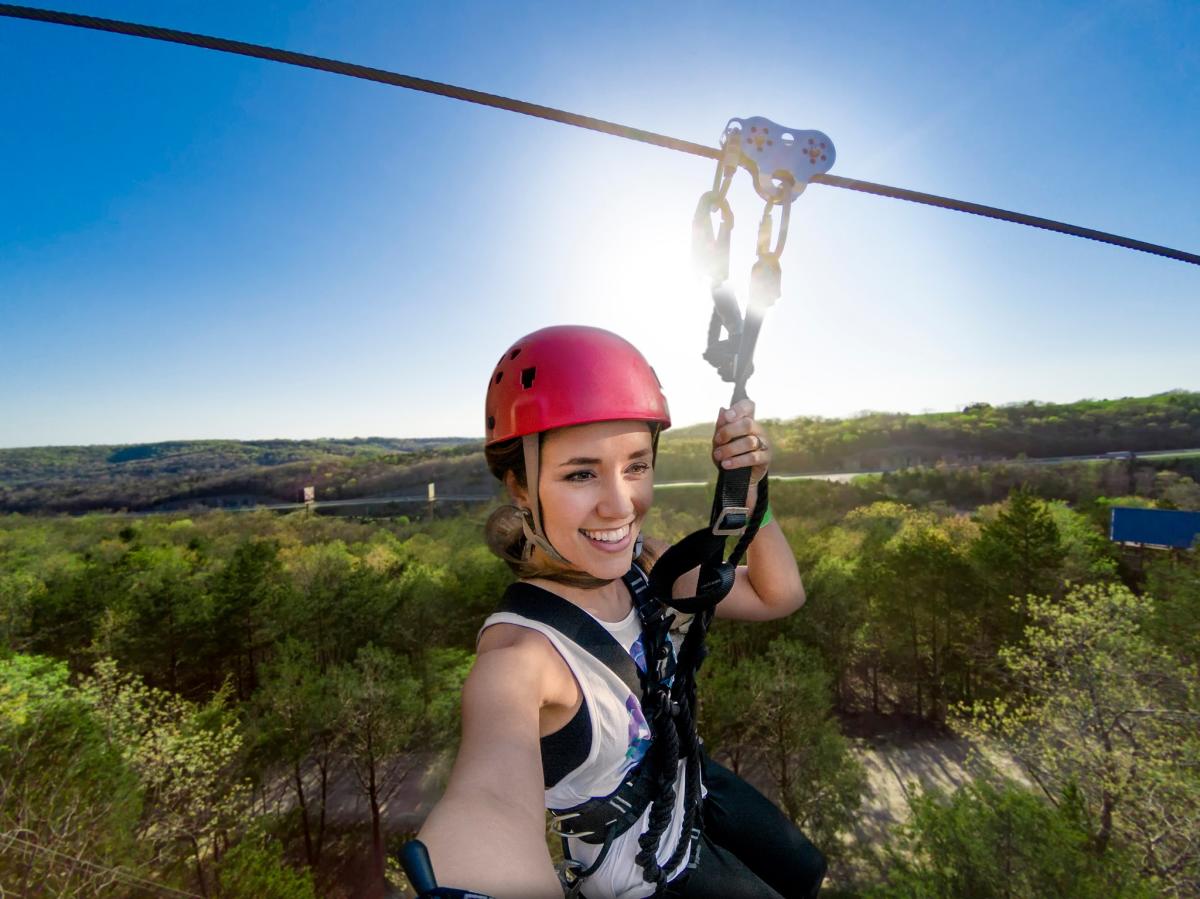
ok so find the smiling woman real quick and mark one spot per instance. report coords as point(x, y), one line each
point(570, 706)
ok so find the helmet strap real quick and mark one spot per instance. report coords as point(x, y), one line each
point(531, 520)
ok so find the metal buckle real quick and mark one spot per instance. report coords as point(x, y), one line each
point(556, 820)
point(568, 877)
point(721, 529)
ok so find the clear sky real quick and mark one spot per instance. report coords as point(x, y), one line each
point(199, 245)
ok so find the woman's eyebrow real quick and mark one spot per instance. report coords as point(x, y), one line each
point(581, 460)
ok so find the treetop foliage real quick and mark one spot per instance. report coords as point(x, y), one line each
point(201, 663)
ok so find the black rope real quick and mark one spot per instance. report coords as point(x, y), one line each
point(352, 70)
point(468, 95)
point(1004, 215)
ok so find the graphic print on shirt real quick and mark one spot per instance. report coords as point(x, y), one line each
point(638, 652)
point(639, 733)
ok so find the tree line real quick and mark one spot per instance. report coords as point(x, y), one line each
point(145, 476)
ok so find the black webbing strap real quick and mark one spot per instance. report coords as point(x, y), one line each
point(706, 550)
point(576, 625)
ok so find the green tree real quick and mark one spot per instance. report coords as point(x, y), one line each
point(1099, 711)
point(924, 589)
point(296, 719)
point(157, 620)
point(67, 798)
point(244, 594)
point(785, 702)
point(386, 722)
point(186, 757)
point(1174, 582)
point(1018, 553)
point(255, 869)
point(1088, 556)
point(1001, 842)
point(833, 619)
point(20, 592)
point(1021, 548)
point(321, 607)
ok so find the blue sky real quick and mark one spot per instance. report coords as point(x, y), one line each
point(199, 245)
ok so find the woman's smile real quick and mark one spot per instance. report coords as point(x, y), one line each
point(612, 540)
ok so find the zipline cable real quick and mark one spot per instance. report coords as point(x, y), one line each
point(496, 101)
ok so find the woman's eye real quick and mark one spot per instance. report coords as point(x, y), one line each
point(639, 468)
point(578, 476)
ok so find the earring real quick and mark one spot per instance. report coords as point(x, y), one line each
point(637, 546)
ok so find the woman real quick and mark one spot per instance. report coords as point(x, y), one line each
point(573, 418)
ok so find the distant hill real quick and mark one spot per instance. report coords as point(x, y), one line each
point(225, 472)
point(978, 433)
point(230, 472)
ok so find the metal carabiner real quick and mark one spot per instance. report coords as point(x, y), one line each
point(710, 250)
point(766, 226)
point(727, 165)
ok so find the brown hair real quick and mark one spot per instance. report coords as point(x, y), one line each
point(505, 535)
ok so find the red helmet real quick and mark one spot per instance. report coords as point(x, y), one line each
point(570, 375)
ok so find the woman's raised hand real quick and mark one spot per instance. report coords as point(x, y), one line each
point(740, 442)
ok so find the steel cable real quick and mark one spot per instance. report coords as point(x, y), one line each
point(550, 113)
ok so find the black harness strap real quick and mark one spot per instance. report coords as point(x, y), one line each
point(705, 550)
point(576, 625)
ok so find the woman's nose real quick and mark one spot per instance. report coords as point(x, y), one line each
point(616, 501)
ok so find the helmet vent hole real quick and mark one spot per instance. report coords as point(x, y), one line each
point(499, 377)
point(527, 376)
point(515, 353)
point(491, 423)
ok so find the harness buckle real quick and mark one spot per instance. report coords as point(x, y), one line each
point(556, 829)
point(733, 520)
point(568, 877)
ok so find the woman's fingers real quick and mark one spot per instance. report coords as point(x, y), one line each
point(738, 441)
point(740, 409)
point(749, 450)
point(735, 429)
point(746, 460)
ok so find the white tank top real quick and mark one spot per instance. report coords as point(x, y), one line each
point(620, 737)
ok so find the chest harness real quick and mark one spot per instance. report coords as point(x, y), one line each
point(650, 783)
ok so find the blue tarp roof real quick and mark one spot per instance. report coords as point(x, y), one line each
point(1155, 527)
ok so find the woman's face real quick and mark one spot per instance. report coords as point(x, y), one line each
point(596, 483)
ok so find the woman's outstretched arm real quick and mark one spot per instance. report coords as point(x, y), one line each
point(488, 832)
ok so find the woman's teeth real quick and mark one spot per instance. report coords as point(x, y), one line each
point(607, 536)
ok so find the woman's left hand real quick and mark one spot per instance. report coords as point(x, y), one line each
point(740, 442)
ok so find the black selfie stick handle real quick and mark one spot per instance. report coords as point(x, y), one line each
point(415, 859)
